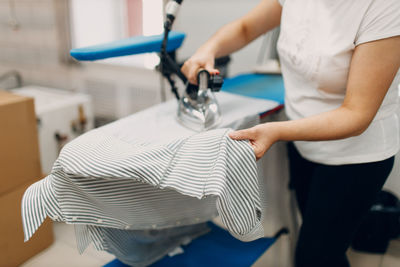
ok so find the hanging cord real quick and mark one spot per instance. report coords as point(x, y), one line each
point(168, 65)
point(13, 73)
point(165, 64)
point(13, 22)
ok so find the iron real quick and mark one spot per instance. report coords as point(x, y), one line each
point(198, 108)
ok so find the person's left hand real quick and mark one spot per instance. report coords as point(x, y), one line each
point(261, 138)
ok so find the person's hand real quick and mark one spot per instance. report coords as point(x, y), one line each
point(200, 60)
point(261, 137)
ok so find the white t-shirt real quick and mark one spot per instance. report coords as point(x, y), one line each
point(315, 46)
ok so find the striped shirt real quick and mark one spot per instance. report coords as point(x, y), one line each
point(111, 177)
point(104, 181)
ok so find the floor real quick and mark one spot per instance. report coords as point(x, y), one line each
point(64, 253)
point(357, 259)
point(390, 259)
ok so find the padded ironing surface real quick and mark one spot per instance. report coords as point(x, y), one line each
point(129, 46)
point(265, 86)
point(215, 249)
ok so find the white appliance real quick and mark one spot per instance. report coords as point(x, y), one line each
point(61, 116)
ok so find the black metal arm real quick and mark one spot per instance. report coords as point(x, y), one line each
point(168, 65)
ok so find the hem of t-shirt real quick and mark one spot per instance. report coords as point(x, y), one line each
point(373, 37)
point(255, 233)
point(354, 159)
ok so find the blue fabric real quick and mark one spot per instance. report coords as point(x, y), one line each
point(129, 46)
point(265, 86)
point(142, 247)
point(217, 248)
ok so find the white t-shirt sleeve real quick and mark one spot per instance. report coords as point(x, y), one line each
point(382, 20)
point(281, 2)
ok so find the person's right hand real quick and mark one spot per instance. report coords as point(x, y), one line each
point(200, 60)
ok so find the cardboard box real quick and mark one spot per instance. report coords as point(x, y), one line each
point(13, 250)
point(19, 168)
point(19, 150)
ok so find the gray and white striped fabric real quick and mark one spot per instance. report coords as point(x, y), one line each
point(140, 247)
point(104, 181)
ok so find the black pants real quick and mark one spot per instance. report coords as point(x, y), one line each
point(333, 200)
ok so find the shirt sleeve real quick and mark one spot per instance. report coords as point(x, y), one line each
point(381, 20)
point(282, 2)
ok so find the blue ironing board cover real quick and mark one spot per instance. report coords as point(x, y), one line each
point(129, 46)
point(215, 249)
point(264, 86)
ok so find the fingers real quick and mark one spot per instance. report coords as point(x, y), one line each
point(258, 150)
point(198, 61)
point(193, 70)
point(188, 69)
point(247, 134)
point(210, 68)
point(258, 136)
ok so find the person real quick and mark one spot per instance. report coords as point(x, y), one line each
point(340, 64)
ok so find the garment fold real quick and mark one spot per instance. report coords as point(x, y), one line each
point(101, 181)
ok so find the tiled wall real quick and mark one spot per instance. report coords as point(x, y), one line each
point(28, 38)
point(34, 41)
point(38, 48)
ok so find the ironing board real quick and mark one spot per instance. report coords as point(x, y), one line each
point(262, 86)
point(218, 245)
point(212, 250)
point(160, 119)
point(129, 46)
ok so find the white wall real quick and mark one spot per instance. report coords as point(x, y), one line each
point(111, 22)
point(35, 49)
point(200, 19)
point(35, 41)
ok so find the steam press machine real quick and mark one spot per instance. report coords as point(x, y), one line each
point(198, 108)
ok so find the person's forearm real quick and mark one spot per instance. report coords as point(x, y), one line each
point(332, 125)
point(226, 40)
point(340, 123)
point(233, 36)
point(241, 32)
point(373, 68)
